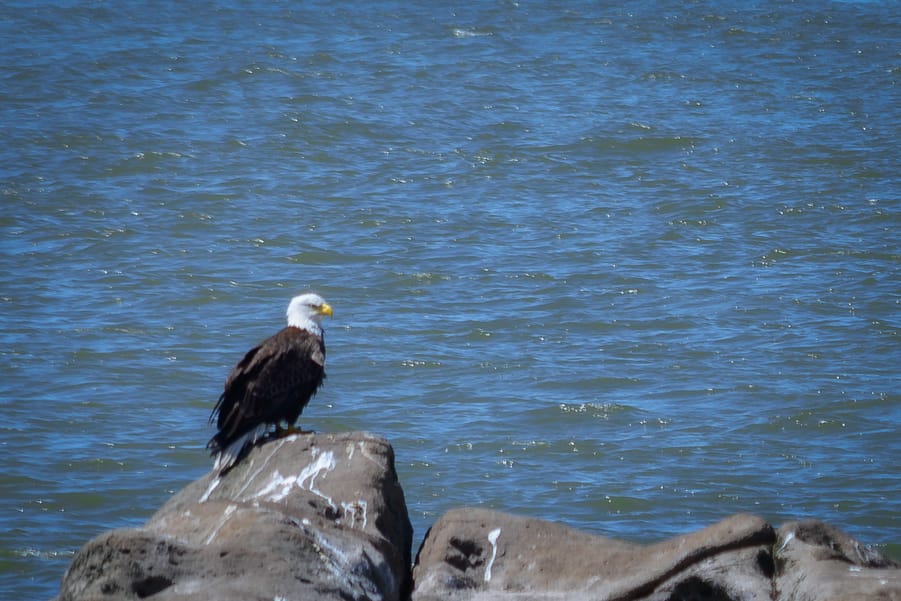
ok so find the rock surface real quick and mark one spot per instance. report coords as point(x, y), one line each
point(323, 516)
point(817, 562)
point(487, 555)
point(304, 517)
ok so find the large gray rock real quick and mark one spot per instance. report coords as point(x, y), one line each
point(482, 555)
point(317, 516)
point(323, 517)
point(817, 562)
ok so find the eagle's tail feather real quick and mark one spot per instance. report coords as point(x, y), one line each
point(232, 452)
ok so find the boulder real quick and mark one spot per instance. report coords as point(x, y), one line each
point(309, 516)
point(817, 562)
point(322, 516)
point(482, 555)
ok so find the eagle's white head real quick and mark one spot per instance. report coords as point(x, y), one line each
point(306, 312)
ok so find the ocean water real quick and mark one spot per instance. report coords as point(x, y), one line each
point(632, 268)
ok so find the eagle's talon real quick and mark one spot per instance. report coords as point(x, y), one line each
point(282, 432)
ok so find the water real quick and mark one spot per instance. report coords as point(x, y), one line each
point(630, 268)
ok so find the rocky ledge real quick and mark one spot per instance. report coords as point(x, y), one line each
point(323, 516)
point(304, 517)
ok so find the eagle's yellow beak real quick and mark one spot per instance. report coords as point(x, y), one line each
point(325, 309)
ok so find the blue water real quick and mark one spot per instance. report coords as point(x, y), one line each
point(633, 268)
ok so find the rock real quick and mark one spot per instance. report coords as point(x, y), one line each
point(817, 562)
point(481, 555)
point(323, 517)
point(317, 516)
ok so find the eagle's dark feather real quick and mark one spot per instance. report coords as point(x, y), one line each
point(270, 385)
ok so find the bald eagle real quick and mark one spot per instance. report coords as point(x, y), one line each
point(272, 383)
